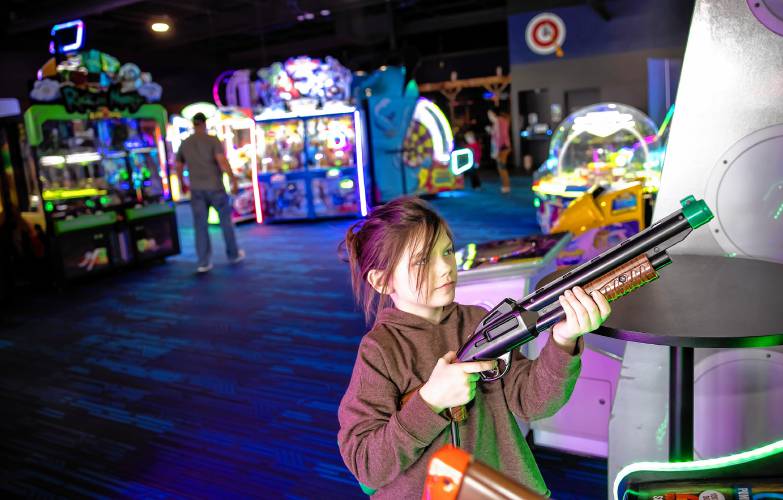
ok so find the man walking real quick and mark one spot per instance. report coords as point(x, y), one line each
point(206, 161)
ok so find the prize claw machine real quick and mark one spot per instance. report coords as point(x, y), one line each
point(236, 129)
point(311, 166)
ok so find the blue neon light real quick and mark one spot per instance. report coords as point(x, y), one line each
point(79, 35)
point(357, 120)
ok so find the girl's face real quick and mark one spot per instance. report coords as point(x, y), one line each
point(438, 283)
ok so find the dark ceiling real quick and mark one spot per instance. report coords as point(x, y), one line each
point(432, 38)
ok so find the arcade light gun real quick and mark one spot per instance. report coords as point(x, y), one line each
point(453, 474)
point(616, 272)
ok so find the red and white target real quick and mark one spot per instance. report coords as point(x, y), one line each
point(545, 34)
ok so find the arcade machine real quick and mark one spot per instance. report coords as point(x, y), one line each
point(426, 151)
point(310, 143)
point(600, 179)
point(411, 142)
point(235, 128)
point(10, 121)
point(96, 172)
point(728, 154)
point(505, 268)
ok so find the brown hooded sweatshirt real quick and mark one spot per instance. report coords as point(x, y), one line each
point(388, 448)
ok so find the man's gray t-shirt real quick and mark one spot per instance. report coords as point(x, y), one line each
point(198, 153)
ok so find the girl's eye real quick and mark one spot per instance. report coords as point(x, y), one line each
point(449, 251)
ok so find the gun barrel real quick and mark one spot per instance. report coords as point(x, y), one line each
point(653, 240)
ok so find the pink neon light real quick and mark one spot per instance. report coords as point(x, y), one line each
point(256, 188)
point(164, 174)
point(216, 87)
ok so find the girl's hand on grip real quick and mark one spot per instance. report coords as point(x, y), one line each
point(453, 384)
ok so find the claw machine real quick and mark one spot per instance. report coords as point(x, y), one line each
point(310, 143)
point(311, 166)
point(236, 129)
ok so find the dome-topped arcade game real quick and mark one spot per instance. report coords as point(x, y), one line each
point(606, 146)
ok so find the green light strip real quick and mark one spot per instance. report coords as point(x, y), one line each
point(471, 256)
point(698, 465)
point(666, 121)
point(779, 212)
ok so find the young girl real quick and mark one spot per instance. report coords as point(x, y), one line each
point(403, 266)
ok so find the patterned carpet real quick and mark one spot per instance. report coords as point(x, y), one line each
point(157, 383)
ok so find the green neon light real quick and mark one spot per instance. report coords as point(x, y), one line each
point(49, 207)
point(148, 211)
point(698, 465)
point(666, 121)
point(65, 194)
point(213, 218)
point(471, 256)
point(37, 114)
point(536, 202)
point(779, 212)
point(84, 222)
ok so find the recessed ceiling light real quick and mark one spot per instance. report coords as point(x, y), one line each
point(300, 17)
point(160, 27)
point(309, 15)
point(325, 12)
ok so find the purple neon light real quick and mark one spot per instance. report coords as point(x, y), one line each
point(79, 35)
point(357, 119)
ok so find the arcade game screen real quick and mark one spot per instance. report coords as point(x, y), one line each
point(331, 155)
point(76, 177)
point(237, 132)
point(281, 151)
point(280, 145)
point(331, 141)
point(240, 149)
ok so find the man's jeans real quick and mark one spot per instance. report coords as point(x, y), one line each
point(200, 201)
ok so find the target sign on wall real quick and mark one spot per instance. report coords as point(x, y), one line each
point(545, 34)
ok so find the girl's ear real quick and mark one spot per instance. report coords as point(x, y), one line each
point(374, 278)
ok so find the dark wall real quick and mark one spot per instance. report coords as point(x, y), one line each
point(605, 58)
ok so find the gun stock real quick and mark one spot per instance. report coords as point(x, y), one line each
point(453, 474)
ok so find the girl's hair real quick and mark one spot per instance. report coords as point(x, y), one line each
point(379, 241)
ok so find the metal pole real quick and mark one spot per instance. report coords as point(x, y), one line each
point(680, 404)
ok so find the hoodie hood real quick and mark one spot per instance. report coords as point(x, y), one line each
point(404, 320)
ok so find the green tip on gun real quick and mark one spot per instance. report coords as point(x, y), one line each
point(695, 211)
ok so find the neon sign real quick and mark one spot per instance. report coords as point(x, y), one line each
point(76, 45)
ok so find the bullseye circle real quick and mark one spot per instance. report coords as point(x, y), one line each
point(545, 33)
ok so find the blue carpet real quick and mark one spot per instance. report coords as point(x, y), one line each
point(158, 383)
